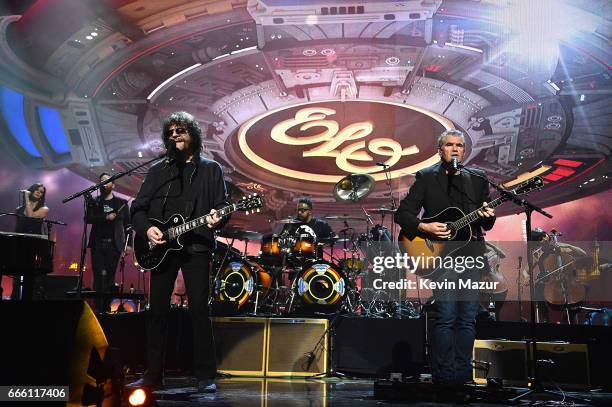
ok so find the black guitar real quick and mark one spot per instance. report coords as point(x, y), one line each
point(148, 255)
point(459, 225)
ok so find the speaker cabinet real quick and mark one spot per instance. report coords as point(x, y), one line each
point(241, 345)
point(297, 347)
point(54, 343)
point(56, 286)
point(564, 364)
point(271, 347)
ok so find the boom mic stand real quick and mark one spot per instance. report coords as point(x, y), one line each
point(537, 386)
point(394, 246)
point(88, 201)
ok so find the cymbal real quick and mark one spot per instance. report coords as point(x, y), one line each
point(344, 217)
point(380, 211)
point(353, 187)
point(288, 220)
point(240, 234)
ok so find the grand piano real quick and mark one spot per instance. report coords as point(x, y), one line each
point(26, 255)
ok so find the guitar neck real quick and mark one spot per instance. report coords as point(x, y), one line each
point(176, 231)
point(473, 216)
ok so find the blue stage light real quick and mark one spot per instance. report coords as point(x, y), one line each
point(51, 124)
point(11, 106)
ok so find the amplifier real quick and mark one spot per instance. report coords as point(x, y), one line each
point(297, 347)
point(241, 345)
point(563, 364)
point(259, 347)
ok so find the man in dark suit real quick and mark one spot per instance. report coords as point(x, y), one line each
point(454, 310)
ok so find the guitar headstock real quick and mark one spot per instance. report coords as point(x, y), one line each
point(250, 203)
point(532, 184)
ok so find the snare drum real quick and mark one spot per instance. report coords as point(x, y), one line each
point(320, 283)
point(241, 281)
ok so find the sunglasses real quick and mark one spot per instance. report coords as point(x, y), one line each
point(303, 209)
point(178, 130)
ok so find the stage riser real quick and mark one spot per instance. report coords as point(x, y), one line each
point(367, 347)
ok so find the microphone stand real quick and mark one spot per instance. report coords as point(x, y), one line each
point(121, 308)
point(536, 385)
point(394, 245)
point(88, 202)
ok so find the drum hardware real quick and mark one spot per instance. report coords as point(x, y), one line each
point(353, 187)
point(288, 221)
point(344, 217)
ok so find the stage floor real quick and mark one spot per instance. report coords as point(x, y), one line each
point(337, 392)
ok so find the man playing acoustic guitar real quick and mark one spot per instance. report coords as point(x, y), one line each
point(436, 189)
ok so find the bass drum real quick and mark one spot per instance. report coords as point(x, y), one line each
point(319, 287)
point(242, 281)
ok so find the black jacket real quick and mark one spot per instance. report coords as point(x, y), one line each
point(209, 192)
point(429, 192)
point(97, 217)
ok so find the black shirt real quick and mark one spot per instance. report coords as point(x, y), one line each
point(27, 224)
point(179, 195)
point(181, 200)
point(320, 228)
point(456, 193)
point(102, 228)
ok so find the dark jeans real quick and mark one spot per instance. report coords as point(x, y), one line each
point(195, 269)
point(453, 330)
point(104, 259)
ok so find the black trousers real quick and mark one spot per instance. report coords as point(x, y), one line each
point(195, 269)
point(104, 259)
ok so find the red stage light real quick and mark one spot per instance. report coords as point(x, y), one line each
point(568, 163)
point(563, 171)
point(552, 177)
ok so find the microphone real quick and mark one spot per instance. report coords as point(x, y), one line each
point(454, 163)
point(24, 190)
point(382, 164)
point(170, 150)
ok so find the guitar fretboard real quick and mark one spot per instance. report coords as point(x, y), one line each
point(176, 231)
point(473, 216)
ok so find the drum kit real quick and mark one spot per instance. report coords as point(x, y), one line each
point(299, 274)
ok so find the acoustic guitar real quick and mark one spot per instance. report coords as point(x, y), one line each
point(458, 223)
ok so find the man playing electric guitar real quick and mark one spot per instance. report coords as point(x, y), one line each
point(191, 186)
point(436, 189)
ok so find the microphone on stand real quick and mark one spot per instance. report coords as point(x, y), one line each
point(171, 151)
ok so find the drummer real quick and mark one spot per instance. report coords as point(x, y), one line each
point(317, 228)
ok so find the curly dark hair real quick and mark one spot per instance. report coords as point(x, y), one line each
point(41, 201)
point(187, 120)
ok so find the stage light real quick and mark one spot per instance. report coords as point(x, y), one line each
point(170, 79)
point(139, 397)
point(534, 33)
